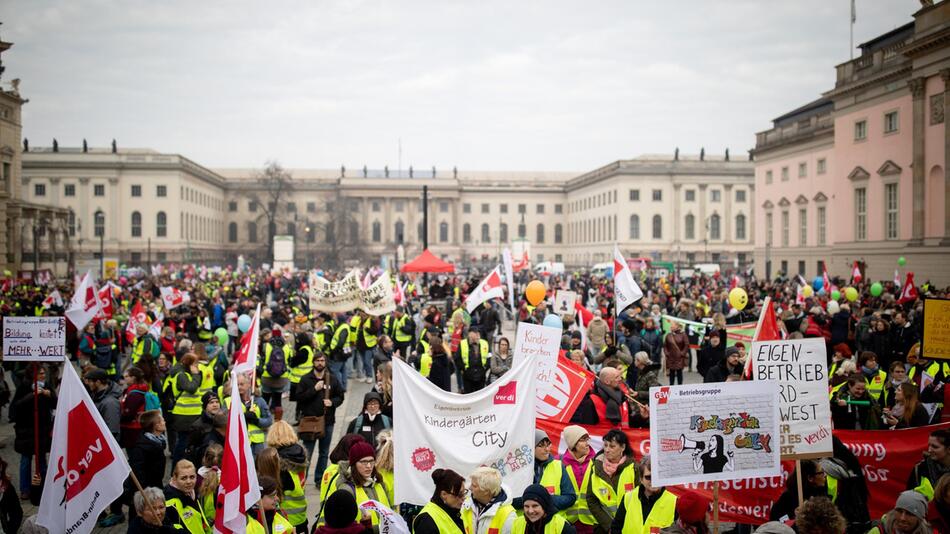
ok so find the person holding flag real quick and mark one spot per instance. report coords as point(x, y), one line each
point(268, 511)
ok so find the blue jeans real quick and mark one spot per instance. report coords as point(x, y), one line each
point(368, 371)
point(339, 371)
point(322, 454)
point(26, 471)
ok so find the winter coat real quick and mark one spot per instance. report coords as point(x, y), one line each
point(676, 347)
point(649, 377)
point(147, 460)
point(654, 338)
point(840, 326)
point(310, 401)
point(107, 402)
point(881, 345)
point(442, 368)
point(855, 417)
point(721, 372)
point(132, 405)
point(499, 366)
point(21, 414)
point(597, 333)
point(709, 357)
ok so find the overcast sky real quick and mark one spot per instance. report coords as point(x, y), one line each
point(481, 84)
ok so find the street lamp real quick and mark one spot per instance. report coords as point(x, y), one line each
point(100, 228)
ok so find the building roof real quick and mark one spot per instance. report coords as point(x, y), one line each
point(896, 35)
point(815, 107)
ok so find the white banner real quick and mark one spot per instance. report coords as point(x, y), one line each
point(542, 344)
point(378, 298)
point(708, 432)
point(439, 429)
point(348, 294)
point(800, 368)
point(34, 339)
point(389, 522)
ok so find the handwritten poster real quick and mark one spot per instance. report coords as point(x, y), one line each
point(708, 432)
point(801, 370)
point(34, 339)
point(541, 343)
point(935, 344)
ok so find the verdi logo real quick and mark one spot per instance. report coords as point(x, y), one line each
point(506, 393)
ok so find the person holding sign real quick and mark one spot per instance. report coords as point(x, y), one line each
point(645, 509)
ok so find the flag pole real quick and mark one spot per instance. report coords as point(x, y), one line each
point(36, 420)
point(138, 486)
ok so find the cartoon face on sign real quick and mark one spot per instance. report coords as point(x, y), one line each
point(87, 453)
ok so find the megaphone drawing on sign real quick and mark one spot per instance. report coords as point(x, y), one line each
point(686, 443)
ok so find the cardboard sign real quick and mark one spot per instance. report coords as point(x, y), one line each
point(935, 343)
point(564, 302)
point(800, 368)
point(709, 432)
point(540, 343)
point(34, 339)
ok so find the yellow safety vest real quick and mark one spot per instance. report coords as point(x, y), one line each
point(254, 432)
point(832, 487)
point(294, 503)
point(207, 505)
point(661, 515)
point(398, 334)
point(207, 377)
point(931, 370)
point(326, 481)
point(185, 403)
point(280, 525)
point(339, 339)
point(388, 481)
point(497, 521)
point(609, 498)
point(554, 526)
point(138, 349)
point(579, 511)
point(442, 520)
point(192, 520)
point(382, 495)
point(368, 339)
point(268, 350)
point(425, 362)
point(482, 347)
point(876, 384)
point(296, 373)
point(551, 480)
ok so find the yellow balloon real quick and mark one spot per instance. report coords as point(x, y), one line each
point(738, 298)
point(807, 291)
point(534, 292)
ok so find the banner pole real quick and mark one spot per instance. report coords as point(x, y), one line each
point(141, 491)
point(716, 507)
point(36, 420)
point(798, 477)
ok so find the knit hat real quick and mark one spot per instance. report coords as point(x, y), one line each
point(537, 493)
point(732, 350)
point(692, 508)
point(577, 335)
point(361, 450)
point(573, 434)
point(540, 435)
point(774, 527)
point(340, 509)
point(843, 349)
point(914, 503)
point(97, 375)
point(207, 398)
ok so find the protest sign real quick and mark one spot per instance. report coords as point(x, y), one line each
point(389, 521)
point(564, 302)
point(348, 294)
point(541, 344)
point(935, 343)
point(34, 339)
point(439, 429)
point(799, 367)
point(709, 432)
point(378, 298)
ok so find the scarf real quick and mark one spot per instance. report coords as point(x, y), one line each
point(156, 438)
point(611, 467)
point(869, 372)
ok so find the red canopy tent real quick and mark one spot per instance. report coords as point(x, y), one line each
point(427, 263)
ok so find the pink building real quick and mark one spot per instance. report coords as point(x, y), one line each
point(860, 174)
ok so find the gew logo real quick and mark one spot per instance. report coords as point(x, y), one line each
point(662, 396)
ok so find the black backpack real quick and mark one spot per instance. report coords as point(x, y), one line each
point(276, 363)
point(102, 358)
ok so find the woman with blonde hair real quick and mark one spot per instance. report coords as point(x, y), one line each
point(209, 475)
point(281, 434)
point(384, 460)
point(291, 472)
point(384, 386)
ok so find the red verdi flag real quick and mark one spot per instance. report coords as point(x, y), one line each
point(626, 290)
point(85, 304)
point(490, 288)
point(86, 466)
point(909, 292)
point(239, 489)
point(245, 359)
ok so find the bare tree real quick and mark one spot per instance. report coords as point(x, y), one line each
point(275, 184)
point(342, 231)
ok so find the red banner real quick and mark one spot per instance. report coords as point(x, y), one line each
point(887, 457)
point(571, 382)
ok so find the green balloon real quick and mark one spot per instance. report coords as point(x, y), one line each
point(877, 289)
point(902, 261)
point(835, 294)
point(222, 336)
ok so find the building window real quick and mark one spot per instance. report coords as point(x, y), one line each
point(161, 191)
point(768, 228)
point(558, 234)
point(69, 190)
point(803, 227)
point(99, 229)
point(252, 232)
point(136, 190)
point(232, 232)
point(690, 195)
point(539, 209)
point(890, 122)
point(377, 232)
point(657, 227)
point(444, 232)
point(820, 216)
point(232, 206)
point(486, 233)
point(784, 174)
point(311, 234)
point(400, 235)
point(252, 206)
point(503, 208)
point(522, 231)
point(785, 228)
point(136, 224)
point(466, 233)
point(522, 208)
point(689, 227)
point(802, 170)
point(634, 227)
point(768, 177)
point(311, 207)
point(657, 195)
point(291, 207)
point(860, 214)
point(291, 229)
point(714, 227)
point(421, 229)
point(399, 205)
point(890, 211)
point(558, 209)
point(821, 166)
point(486, 208)
point(715, 195)
point(740, 226)
point(635, 195)
point(540, 232)
point(801, 267)
point(466, 208)
point(329, 235)
point(503, 233)
point(860, 130)
point(72, 223)
point(690, 258)
point(784, 267)
point(39, 190)
point(740, 195)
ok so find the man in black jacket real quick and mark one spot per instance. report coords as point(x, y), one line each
point(147, 457)
point(319, 393)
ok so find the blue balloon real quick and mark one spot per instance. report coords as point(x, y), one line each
point(554, 321)
point(244, 322)
point(817, 283)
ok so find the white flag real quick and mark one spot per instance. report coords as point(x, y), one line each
point(85, 303)
point(509, 278)
point(390, 521)
point(245, 359)
point(54, 299)
point(239, 489)
point(626, 290)
point(86, 466)
point(488, 289)
point(173, 297)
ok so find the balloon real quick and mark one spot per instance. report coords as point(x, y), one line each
point(221, 335)
point(807, 291)
point(833, 307)
point(553, 321)
point(876, 289)
point(244, 322)
point(818, 282)
point(534, 292)
point(851, 294)
point(738, 298)
point(835, 294)
point(902, 261)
